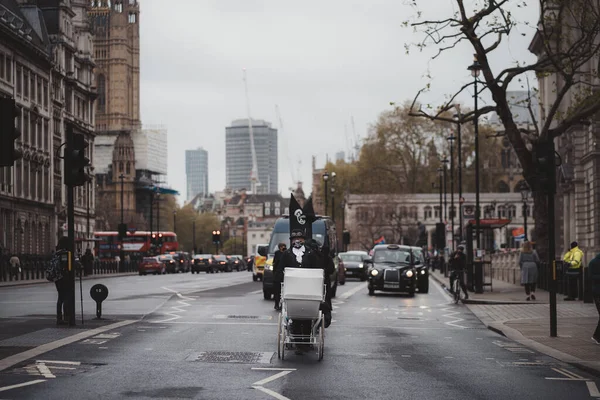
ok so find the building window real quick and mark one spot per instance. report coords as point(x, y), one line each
point(277, 210)
point(128, 168)
point(427, 213)
point(132, 18)
point(436, 211)
point(262, 235)
point(254, 236)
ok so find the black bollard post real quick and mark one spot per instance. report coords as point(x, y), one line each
point(99, 293)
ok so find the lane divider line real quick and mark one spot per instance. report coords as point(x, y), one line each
point(353, 291)
point(36, 351)
point(19, 385)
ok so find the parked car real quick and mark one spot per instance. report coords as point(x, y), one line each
point(151, 265)
point(171, 265)
point(391, 269)
point(204, 262)
point(422, 270)
point(354, 265)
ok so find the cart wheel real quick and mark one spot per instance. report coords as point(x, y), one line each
point(282, 344)
point(321, 349)
point(279, 344)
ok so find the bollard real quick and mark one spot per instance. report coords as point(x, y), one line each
point(99, 293)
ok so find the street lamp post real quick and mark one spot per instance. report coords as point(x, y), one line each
point(234, 241)
point(122, 252)
point(325, 179)
point(174, 221)
point(459, 150)
point(440, 172)
point(333, 204)
point(194, 235)
point(525, 195)
point(475, 69)
point(444, 163)
point(452, 211)
point(343, 208)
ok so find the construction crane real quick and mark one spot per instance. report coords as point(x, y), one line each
point(254, 180)
point(286, 145)
point(356, 139)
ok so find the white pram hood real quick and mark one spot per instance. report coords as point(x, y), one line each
point(303, 283)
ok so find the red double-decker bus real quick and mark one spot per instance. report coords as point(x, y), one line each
point(137, 244)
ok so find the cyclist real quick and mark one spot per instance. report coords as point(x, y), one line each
point(458, 265)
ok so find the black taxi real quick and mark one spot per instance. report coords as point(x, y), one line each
point(392, 269)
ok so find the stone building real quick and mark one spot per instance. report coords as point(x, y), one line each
point(117, 50)
point(46, 64)
point(368, 217)
point(578, 191)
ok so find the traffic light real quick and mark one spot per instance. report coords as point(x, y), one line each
point(122, 231)
point(153, 240)
point(216, 236)
point(160, 239)
point(8, 132)
point(75, 160)
point(346, 238)
point(544, 166)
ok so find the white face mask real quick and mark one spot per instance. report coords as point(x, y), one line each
point(297, 243)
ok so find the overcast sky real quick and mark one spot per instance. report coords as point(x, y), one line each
point(321, 62)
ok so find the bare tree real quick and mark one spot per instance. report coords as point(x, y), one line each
point(567, 44)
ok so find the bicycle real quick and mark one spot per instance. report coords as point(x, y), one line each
point(456, 289)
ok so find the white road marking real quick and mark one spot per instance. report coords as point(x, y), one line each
point(44, 370)
point(272, 369)
point(278, 375)
point(103, 348)
point(271, 393)
point(5, 388)
point(177, 309)
point(59, 362)
point(353, 291)
point(593, 389)
point(26, 355)
point(452, 314)
point(107, 336)
point(256, 292)
point(93, 341)
point(64, 368)
point(568, 374)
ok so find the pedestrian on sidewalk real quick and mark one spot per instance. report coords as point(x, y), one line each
point(529, 262)
point(573, 258)
point(15, 266)
point(594, 267)
point(63, 283)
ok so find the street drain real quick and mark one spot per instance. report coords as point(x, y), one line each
point(243, 316)
point(410, 318)
point(239, 357)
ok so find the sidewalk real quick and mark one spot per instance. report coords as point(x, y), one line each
point(45, 281)
point(528, 322)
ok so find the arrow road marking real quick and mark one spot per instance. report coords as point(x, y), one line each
point(271, 393)
point(5, 388)
point(271, 378)
point(282, 372)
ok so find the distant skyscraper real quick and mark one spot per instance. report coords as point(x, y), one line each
point(196, 171)
point(238, 155)
point(340, 156)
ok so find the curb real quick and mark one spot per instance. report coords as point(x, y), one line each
point(481, 301)
point(515, 335)
point(85, 278)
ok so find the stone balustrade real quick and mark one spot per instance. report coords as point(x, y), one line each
point(505, 266)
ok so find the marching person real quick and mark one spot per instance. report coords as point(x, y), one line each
point(278, 274)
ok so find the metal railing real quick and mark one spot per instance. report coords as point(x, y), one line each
point(33, 267)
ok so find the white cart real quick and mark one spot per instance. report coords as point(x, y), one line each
point(303, 291)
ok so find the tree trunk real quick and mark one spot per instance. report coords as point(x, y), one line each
point(540, 216)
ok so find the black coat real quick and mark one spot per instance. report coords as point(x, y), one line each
point(278, 266)
point(312, 258)
point(458, 261)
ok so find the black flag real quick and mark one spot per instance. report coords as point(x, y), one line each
point(309, 212)
point(298, 220)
